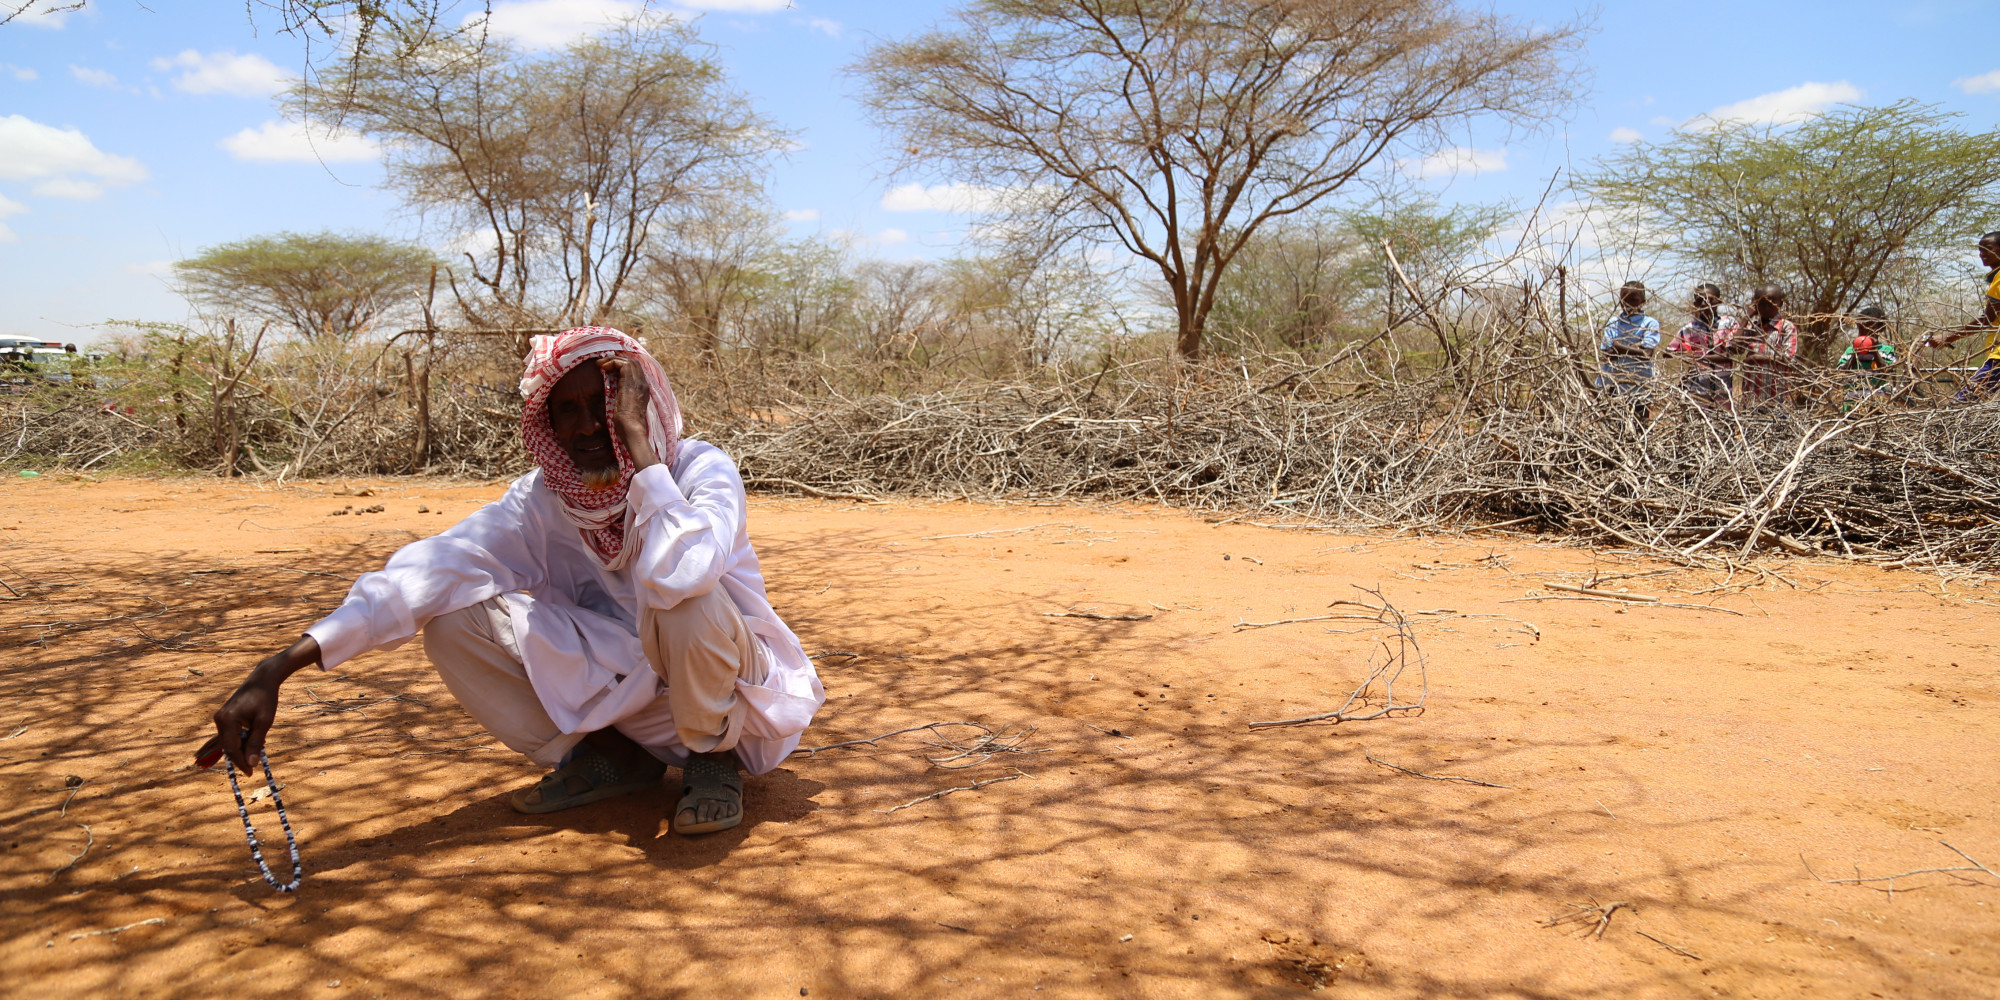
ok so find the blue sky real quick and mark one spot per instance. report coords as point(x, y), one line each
point(130, 135)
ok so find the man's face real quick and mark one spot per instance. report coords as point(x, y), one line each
point(1989, 254)
point(576, 415)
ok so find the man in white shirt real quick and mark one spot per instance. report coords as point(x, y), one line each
point(606, 617)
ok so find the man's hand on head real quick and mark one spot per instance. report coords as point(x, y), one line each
point(255, 704)
point(629, 412)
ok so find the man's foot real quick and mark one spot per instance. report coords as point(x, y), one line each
point(711, 794)
point(590, 776)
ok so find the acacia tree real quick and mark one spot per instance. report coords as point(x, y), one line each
point(704, 268)
point(557, 169)
point(807, 295)
point(1310, 280)
point(1832, 208)
point(324, 285)
point(1178, 128)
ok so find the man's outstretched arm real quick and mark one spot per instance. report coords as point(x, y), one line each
point(255, 703)
point(1986, 321)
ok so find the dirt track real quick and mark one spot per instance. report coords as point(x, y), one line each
point(1681, 761)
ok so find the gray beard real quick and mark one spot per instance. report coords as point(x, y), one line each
point(599, 479)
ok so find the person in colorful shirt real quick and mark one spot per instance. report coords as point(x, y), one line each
point(1770, 347)
point(1871, 352)
point(1704, 343)
point(1988, 376)
point(1630, 339)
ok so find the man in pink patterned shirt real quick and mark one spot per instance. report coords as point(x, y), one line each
point(1769, 343)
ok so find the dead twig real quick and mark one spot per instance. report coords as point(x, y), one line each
point(1598, 914)
point(1293, 621)
point(114, 930)
point(1386, 667)
point(1676, 949)
point(1433, 777)
point(89, 841)
point(1607, 600)
point(1954, 872)
point(1097, 617)
point(948, 791)
point(871, 741)
point(1593, 592)
point(983, 748)
point(824, 494)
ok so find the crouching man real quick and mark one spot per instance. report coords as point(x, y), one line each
point(606, 617)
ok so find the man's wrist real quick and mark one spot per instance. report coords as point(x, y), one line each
point(637, 445)
point(275, 669)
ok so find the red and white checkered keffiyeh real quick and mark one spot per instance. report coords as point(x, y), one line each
point(600, 514)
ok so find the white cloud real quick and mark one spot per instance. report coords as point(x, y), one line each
point(541, 24)
point(955, 197)
point(802, 215)
point(1984, 83)
point(93, 77)
point(850, 238)
point(292, 142)
point(50, 18)
point(1783, 107)
point(1626, 136)
point(1454, 161)
point(828, 25)
point(9, 207)
point(73, 188)
point(249, 75)
point(63, 161)
point(24, 74)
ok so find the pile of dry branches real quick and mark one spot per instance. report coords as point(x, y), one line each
point(1474, 408)
point(237, 405)
point(1524, 444)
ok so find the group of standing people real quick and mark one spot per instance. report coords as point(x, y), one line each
point(1752, 358)
point(1723, 351)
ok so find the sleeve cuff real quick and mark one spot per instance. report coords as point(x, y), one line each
point(653, 490)
point(342, 635)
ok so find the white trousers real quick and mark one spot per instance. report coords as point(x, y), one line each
point(699, 648)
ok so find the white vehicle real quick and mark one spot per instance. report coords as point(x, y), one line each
point(22, 360)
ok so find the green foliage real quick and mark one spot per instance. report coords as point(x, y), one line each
point(1833, 208)
point(1175, 130)
point(1325, 279)
point(320, 284)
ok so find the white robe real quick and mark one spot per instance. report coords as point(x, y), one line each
point(576, 623)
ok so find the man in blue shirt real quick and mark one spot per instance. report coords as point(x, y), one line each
point(1629, 342)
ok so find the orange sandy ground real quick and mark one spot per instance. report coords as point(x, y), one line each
point(1687, 763)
